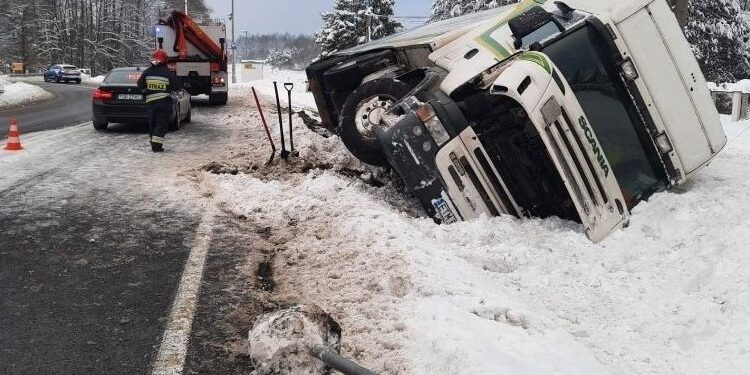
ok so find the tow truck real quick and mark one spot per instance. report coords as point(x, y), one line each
point(197, 54)
point(579, 109)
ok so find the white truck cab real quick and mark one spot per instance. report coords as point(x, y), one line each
point(578, 110)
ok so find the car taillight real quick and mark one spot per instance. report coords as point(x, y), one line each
point(218, 81)
point(100, 94)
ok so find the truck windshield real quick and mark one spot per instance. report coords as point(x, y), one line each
point(583, 59)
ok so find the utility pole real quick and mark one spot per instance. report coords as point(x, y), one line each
point(234, 49)
point(245, 46)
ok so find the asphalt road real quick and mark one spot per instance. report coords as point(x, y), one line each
point(70, 106)
point(95, 231)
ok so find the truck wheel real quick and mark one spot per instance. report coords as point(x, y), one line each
point(218, 99)
point(100, 125)
point(362, 110)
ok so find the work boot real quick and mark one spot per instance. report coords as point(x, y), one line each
point(157, 147)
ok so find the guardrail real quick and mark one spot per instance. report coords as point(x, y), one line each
point(33, 77)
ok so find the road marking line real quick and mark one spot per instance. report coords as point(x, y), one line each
point(173, 349)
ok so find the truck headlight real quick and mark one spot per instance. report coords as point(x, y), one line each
point(628, 70)
point(433, 124)
point(662, 141)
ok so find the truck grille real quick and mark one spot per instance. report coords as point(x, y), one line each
point(577, 165)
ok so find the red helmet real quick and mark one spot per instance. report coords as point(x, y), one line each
point(159, 56)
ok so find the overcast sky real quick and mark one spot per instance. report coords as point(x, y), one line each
point(294, 16)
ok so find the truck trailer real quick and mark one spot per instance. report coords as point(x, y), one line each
point(197, 54)
point(579, 110)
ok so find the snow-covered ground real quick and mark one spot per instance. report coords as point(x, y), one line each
point(668, 295)
point(21, 94)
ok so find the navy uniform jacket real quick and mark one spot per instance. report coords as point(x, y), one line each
point(157, 82)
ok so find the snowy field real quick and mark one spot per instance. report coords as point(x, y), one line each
point(21, 94)
point(668, 295)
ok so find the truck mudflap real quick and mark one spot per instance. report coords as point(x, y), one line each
point(571, 142)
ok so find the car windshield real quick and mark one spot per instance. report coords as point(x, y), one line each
point(123, 76)
point(583, 59)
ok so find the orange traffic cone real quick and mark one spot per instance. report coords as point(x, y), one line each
point(14, 140)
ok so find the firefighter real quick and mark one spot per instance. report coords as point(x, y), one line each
point(157, 83)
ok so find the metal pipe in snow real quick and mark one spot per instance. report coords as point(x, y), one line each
point(338, 362)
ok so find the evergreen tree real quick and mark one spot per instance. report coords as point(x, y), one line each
point(444, 9)
point(718, 33)
point(347, 25)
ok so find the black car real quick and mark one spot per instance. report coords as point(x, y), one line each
point(118, 100)
point(62, 73)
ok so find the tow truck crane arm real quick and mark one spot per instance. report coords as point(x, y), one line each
point(189, 31)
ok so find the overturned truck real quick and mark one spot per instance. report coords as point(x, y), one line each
point(578, 109)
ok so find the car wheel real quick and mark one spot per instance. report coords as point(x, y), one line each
point(100, 125)
point(189, 116)
point(57, 79)
point(175, 124)
point(78, 81)
point(362, 110)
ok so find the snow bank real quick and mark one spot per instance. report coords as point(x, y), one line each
point(97, 79)
point(21, 94)
point(668, 295)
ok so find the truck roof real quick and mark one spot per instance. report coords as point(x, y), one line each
point(430, 33)
point(437, 34)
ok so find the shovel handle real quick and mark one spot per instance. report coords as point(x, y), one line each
point(338, 362)
point(289, 86)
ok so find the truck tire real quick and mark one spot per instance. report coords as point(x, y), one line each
point(366, 104)
point(218, 99)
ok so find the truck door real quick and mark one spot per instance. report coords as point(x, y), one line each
point(675, 83)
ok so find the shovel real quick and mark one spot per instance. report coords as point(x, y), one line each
point(301, 339)
point(265, 125)
point(289, 87)
point(284, 152)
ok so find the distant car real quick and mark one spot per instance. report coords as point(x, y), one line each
point(118, 100)
point(62, 73)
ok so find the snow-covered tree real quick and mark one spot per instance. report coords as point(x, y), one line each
point(718, 31)
point(281, 58)
point(347, 25)
point(444, 9)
